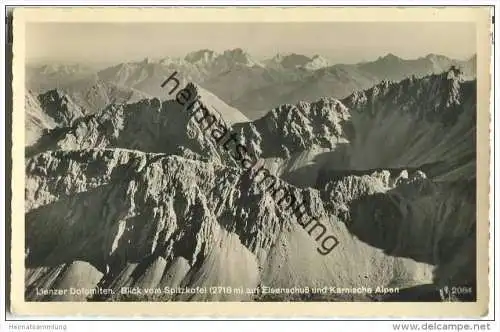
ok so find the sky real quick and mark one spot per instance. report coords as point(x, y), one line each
point(341, 42)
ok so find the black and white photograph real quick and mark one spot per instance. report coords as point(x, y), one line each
point(240, 161)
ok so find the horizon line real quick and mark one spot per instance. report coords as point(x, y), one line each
point(46, 61)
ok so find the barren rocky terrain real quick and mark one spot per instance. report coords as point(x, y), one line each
point(135, 194)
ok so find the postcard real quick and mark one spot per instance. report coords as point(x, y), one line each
point(251, 162)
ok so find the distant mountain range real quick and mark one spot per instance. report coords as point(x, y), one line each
point(252, 86)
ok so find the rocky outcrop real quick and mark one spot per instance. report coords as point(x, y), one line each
point(290, 129)
point(418, 122)
point(47, 111)
point(36, 120)
point(58, 106)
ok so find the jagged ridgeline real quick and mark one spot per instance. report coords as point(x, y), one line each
point(138, 195)
point(252, 86)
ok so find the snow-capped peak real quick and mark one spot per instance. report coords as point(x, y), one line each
point(317, 62)
point(290, 60)
point(201, 57)
point(237, 56)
